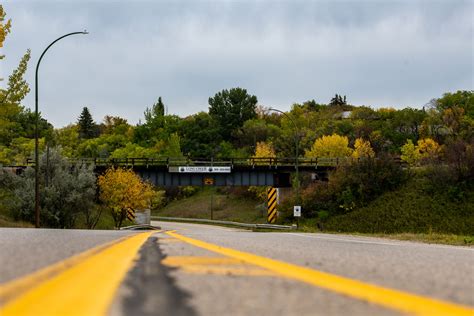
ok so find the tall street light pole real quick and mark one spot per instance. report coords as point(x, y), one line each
point(296, 152)
point(37, 197)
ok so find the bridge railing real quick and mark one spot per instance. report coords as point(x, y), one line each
point(271, 162)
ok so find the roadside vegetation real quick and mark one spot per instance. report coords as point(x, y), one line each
point(407, 170)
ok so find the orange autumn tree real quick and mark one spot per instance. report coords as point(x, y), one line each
point(121, 190)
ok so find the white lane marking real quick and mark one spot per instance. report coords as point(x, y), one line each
point(406, 243)
point(345, 240)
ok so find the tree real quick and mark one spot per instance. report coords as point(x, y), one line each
point(67, 190)
point(87, 127)
point(156, 112)
point(333, 146)
point(122, 190)
point(173, 150)
point(115, 125)
point(254, 131)
point(132, 150)
point(338, 100)
point(231, 108)
point(5, 28)
point(428, 149)
point(362, 149)
point(199, 135)
point(10, 99)
point(262, 150)
point(409, 153)
point(462, 98)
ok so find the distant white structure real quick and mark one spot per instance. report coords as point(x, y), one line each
point(346, 114)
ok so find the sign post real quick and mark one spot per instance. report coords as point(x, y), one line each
point(297, 214)
point(271, 205)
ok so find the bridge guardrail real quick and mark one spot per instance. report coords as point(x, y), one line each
point(232, 162)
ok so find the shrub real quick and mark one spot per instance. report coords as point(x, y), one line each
point(66, 191)
point(359, 182)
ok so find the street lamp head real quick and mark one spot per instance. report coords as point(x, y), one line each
point(85, 32)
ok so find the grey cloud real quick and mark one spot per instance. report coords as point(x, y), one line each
point(378, 53)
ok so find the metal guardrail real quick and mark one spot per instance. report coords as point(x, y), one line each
point(232, 162)
point(245, 225)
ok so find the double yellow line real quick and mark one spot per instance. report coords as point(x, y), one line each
point(390, 298)
point(86, 284)
point(81, 285)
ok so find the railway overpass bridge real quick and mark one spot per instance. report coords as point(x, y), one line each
point(170, 172)
point(223, 172)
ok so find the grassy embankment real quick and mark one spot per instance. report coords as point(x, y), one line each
point(411, 213)
point(225, 207)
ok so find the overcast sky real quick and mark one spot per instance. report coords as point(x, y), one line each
point(378, 53)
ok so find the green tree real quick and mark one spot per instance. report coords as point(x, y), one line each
point(231, 108)
point(87, 127)
point(132, 150)
point(173, 148)
point(199, 136)
point(462, 98)
point(156, 112)
point(338, 100)
point(10, 99)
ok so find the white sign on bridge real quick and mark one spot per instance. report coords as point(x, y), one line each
point(204, 169)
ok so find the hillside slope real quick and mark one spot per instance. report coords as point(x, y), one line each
point(411, 209)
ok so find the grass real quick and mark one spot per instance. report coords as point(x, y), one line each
point(433, 238)
point(225, 207)
point(411, 209)
point(309, 225)
point(8, 222)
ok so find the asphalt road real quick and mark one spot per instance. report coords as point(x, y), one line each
point(210, 270)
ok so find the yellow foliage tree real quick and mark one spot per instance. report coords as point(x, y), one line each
point(122, 190)
point(262, 150)
point(362, 149)
point(425, 149)
point(5, 27)
point(332, 146)
point(428, 149)
point(409, 153)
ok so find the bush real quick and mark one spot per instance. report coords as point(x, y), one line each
point(350, 186)
point(66, 191)
point(359, 182)
point(411, 209)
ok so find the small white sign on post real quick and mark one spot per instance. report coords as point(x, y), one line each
point(297, 211)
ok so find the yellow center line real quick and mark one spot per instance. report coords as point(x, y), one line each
point(16, 287)
point(215, 265)
point(85, 286)
point(390, 298)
